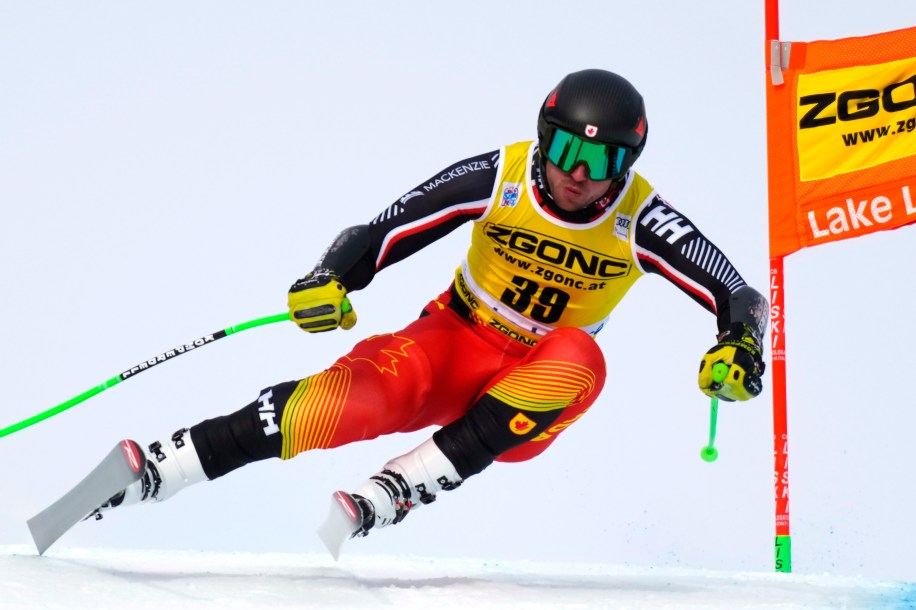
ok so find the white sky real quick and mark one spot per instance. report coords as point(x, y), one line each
point(168, 169)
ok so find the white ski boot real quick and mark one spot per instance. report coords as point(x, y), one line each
point(170, 467)
point(385, 499)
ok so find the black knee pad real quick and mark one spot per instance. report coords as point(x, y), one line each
point(250, 434)
point(489, 429)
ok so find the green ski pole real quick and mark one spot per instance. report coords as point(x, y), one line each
point(709, 453)
point(143, 366)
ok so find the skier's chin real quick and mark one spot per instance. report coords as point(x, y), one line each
point(569, 201)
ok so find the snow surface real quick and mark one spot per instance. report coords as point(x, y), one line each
point(75, 578)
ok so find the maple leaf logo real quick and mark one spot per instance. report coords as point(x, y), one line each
point(386, 358)
point(520, 424)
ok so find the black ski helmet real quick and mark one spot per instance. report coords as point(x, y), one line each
point(597, 106)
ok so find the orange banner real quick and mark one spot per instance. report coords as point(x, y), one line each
point(841, 131)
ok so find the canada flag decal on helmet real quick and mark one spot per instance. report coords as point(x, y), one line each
point(641, 127)
point(591, 131)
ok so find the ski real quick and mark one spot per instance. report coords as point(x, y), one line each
point(124, 465)
point(344, 521)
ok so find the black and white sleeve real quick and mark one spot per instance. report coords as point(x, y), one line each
point(429, 211)
point(669, 244)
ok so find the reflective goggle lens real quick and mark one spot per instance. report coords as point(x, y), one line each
point(568, 150)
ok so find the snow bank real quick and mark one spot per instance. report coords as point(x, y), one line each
point(75, 578)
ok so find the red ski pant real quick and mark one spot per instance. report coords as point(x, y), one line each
point(432, 372)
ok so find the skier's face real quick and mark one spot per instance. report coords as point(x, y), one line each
point(574, 190)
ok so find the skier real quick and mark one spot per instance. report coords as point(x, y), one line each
point(506, 357)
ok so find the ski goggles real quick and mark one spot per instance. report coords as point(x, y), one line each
point(604, 161)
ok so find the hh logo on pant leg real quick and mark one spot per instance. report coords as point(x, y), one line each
point(267, 413)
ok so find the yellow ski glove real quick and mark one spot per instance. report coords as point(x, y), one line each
point(739, 349)
point(318, 302)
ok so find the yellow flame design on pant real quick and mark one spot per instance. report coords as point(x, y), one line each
point(312, 413)
point(544, 386)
